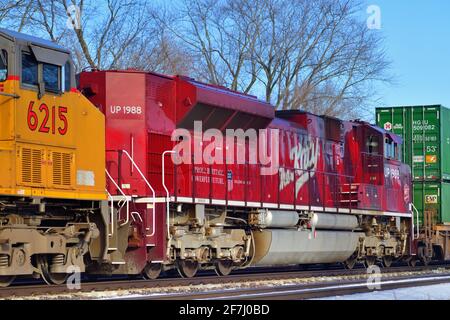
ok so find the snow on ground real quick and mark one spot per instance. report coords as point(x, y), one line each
point(434, 292)
point(183, 289)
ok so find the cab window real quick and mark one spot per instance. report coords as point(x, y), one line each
point(391, 149)
point(29, 69)
point(67, 76)
point(372, 145)
point(3, 65)
point(51, 76)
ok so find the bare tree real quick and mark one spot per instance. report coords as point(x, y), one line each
point(298, 54)
point(333, 67)
point(105, 30)
point(221, 39)
point(15, 14)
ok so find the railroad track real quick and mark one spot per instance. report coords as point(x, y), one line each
point(300, 292)
point(21, 290)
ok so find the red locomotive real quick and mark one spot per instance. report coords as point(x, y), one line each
point(135, 173)
point(338, 192)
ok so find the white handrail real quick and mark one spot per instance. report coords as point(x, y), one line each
point(150, 187)
point(167, 190)
point(138, 215)
point(111, 214)
point(417, 219)
point(124, 195)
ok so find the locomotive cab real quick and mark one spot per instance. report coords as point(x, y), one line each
point(40, 115)
point(384, 178)
point(52, 156)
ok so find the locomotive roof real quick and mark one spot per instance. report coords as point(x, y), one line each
point(21, 37)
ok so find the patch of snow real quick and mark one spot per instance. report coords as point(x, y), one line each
point(433, 292)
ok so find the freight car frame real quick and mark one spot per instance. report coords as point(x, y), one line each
point(427, 150)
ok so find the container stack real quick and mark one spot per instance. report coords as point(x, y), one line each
point(426, 148)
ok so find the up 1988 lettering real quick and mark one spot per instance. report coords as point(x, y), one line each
point(126, 110)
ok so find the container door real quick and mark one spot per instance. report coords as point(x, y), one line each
point(445, 144)
point(426, 140)
point(427, 199)
point(445, 214)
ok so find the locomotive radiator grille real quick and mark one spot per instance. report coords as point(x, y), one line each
point(31, 166)
point(62, 169)
point(57, 168)
point(45, 168)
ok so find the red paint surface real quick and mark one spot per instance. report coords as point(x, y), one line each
point(324, 162)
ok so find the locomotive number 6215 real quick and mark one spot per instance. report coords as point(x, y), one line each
point(47, 120)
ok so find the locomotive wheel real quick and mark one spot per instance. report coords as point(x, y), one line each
point(5, 281)
point(223, 267)
point(187, 268)
point(421, 253)
point(387, 261)
point(370, 261)
point(49, 277)
point(425, 261)
point(412, 262)
point(351, 262)
point(152, 271)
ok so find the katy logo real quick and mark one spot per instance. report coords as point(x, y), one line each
point(388, 126)
point(305, 156)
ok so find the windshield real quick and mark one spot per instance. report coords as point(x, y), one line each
point(3, 65)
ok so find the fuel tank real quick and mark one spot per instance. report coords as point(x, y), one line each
point(275, 219)
point(334, 221)
point(291, 247)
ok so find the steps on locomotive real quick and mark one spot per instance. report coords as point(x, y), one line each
point(116, 249)
point(349, 195)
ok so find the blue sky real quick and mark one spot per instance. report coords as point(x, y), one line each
point(417, 38)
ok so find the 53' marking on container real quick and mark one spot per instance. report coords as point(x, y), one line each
point(44, 119)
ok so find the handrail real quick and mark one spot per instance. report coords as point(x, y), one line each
point(124, 195)
point(138, 215)
point(167, 191)
point(417, 219)
point(150, 187)
point(111, 214)
point(10, 95)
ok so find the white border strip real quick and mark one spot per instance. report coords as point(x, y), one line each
point(274, 206)
point(254, 204)
point(236, 203)
point(270, 205)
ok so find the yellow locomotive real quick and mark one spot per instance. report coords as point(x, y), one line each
point(52, 181)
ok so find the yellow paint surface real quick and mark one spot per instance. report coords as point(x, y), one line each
point(51, 147)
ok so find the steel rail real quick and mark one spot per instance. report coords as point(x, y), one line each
point(244, 276)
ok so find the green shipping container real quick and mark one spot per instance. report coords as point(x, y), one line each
point(426, 148)
point(434, 198)
point(426, 134)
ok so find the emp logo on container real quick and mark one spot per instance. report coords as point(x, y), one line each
point(213, 148)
